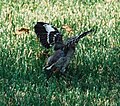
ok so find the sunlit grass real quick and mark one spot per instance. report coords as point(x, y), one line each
point(95, 68)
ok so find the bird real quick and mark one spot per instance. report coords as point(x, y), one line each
point(59, 61)
point(63, 50)
point(47, 34)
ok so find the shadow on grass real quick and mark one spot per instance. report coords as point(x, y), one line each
point(19, 86)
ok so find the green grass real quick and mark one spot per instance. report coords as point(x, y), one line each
point(95, 68)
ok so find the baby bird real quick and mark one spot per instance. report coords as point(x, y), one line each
point(60, 59)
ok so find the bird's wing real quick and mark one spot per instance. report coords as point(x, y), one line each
point(51, 66)
point(47, 34)
point(58, 66)
point(53, 59)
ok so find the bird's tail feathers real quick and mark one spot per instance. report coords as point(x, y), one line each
point(75, 39)
point(82, 35)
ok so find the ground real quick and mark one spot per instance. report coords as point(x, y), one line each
point(94, 71)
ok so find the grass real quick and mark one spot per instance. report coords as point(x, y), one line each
point(95, 67)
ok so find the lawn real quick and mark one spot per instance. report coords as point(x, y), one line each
point(94, 71)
